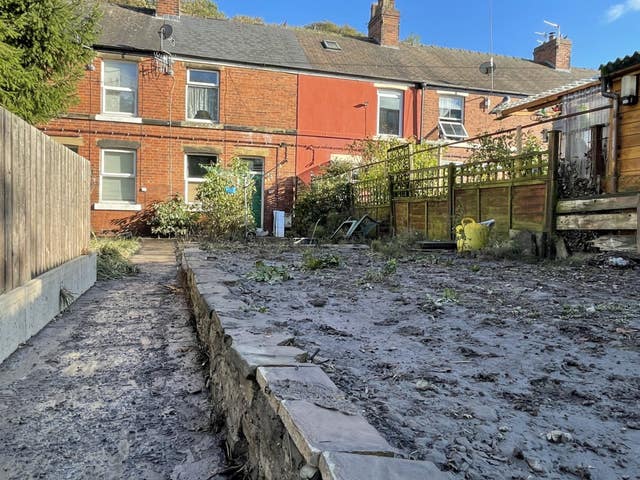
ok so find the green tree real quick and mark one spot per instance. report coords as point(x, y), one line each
point(331, 27)
point(500, 147)
point(412, 39)
point(201, 8)
point(225, 198)
point(325, 203)
point(248, 19)
point(44, 45)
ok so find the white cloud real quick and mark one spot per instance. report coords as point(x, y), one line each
point(619, 9)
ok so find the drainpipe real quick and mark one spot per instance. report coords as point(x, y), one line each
point(612, 164)
point(422, 86)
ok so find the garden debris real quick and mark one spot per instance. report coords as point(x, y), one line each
point(558, 436)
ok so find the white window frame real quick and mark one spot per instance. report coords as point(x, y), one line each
point(104, 89)
point(445, 121)
point(396, 94)
point(109, 204)
point(188, 179)
point(213, 86)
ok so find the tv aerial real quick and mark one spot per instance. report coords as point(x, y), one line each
point(487, 68)
point(163, 59)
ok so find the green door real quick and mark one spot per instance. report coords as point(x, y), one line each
point(256, 201)
point(256, 167)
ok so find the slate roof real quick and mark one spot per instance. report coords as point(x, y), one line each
point(301, 49)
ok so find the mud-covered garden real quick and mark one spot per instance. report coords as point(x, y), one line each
point(489, 367)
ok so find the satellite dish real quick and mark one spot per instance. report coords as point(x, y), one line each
point(166, 31)
point(487, 67)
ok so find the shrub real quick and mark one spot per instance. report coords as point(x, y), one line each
point(327, 202)
point(225, 200)
point(113, 257)
point(313, 262)
point(173, 218)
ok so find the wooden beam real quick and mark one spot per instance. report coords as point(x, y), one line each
point(615, 243)
point(598, 204)
point(607, 221)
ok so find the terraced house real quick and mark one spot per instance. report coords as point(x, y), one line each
point(167, 93)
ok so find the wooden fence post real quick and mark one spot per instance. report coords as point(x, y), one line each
point(451, 178)
point(552, 184)
point(392, 227)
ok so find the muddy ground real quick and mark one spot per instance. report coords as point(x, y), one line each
point(113, 388)
point(492, 369)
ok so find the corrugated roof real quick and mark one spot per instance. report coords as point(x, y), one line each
point(620, 64)
point(543, 97)
point(269, 45)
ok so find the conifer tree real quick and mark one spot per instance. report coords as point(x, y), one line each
point(44, 46)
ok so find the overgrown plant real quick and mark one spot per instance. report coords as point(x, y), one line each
point(325, 203)
point(225, 200)
point(377, 275)
point(318, 262)
point(269, 273)
point(500, 147)
point(173, 218)
point(113, 257)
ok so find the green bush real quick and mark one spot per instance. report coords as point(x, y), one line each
point(318, 262)
point(326, 202)
point(173, 218)
point(225, 200)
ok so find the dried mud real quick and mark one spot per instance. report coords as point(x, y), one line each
point(470, 362)
point(113, 388)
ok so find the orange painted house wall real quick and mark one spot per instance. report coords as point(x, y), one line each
point(332, 115)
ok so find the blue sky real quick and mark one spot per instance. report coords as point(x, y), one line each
point(601, 30)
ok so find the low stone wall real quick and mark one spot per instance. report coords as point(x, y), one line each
point(25, 310)
point(283, 416)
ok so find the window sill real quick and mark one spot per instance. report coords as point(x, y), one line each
point(117, 118)
point(135, 207)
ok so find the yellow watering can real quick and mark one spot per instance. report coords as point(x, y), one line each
point(471, 235)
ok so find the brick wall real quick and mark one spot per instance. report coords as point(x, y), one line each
point(258, 119)
point(555, 52)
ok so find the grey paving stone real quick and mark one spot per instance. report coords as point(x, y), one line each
point(247, 358)
point(237, 321)
point(301, 383)
point(316, 429)
point(265, 339)
point(346, 466)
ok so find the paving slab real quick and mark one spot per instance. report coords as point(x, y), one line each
point(315, 429)
point(309, 383)
point(264, 339)
point(347, 466)
point(247, 358)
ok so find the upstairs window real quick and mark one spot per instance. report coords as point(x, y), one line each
point(451, 121)
point(202, 95)
point(120, 88)
point(118, 176)
point(195, 171)
point(390, 113)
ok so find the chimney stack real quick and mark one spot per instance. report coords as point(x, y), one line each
point(384, 26)
point(167, 8)
point(555, 52)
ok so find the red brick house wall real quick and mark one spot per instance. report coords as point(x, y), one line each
point(257, 119)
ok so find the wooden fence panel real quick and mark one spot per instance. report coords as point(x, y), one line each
point(494, 204)
point(528, 205)
point(44, 203)
point(438, 220)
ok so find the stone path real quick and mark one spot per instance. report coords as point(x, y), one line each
point(112, 388)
